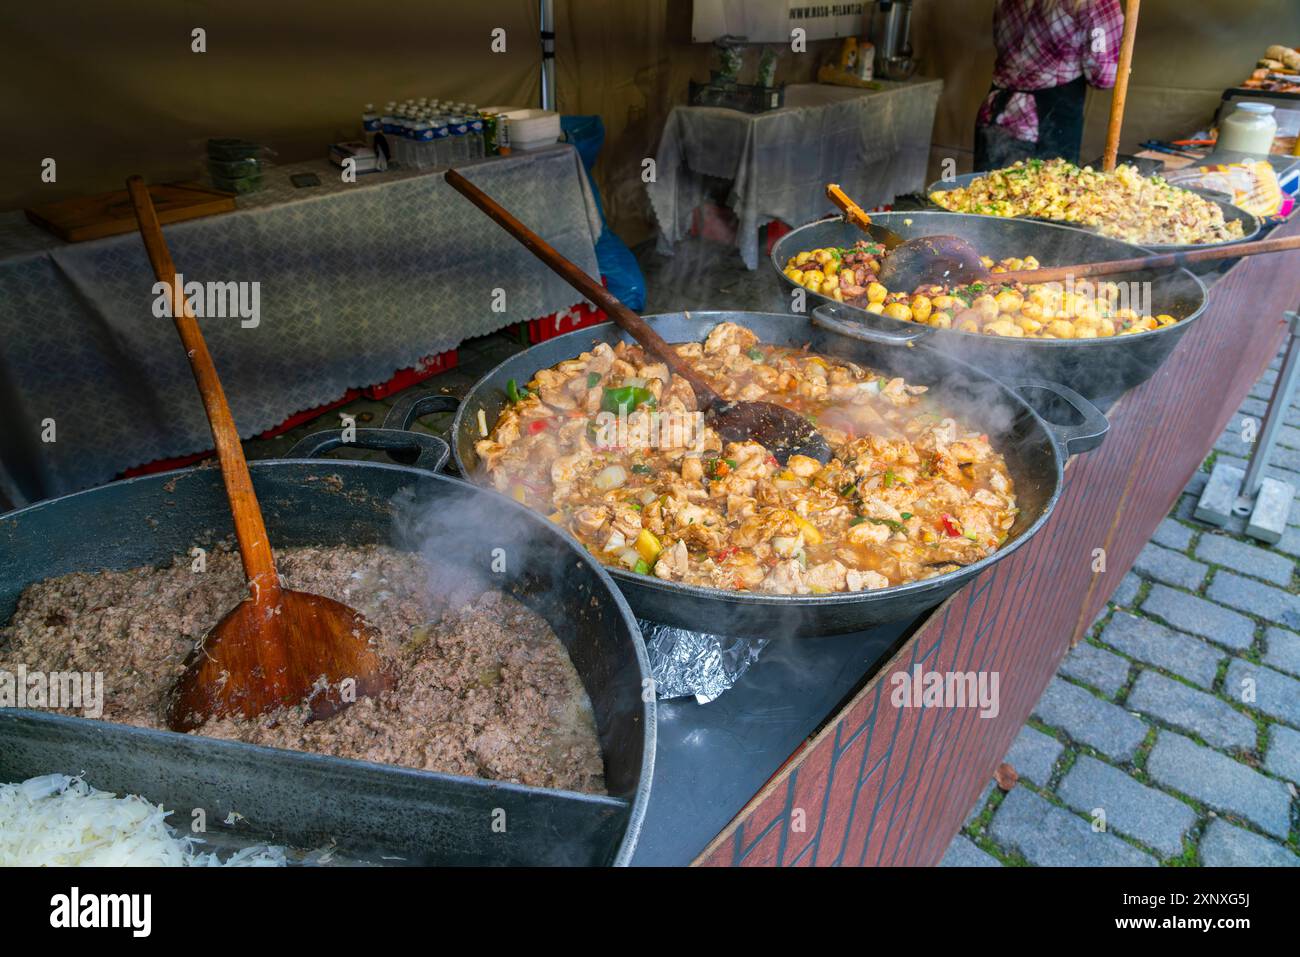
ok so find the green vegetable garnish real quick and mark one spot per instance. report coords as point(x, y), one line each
point(514, 392)
point(755, 354)
point(890, 478)
point(625, 399)
point(642, 470)
point(642, 567)
point(906, 515)
point(593, 379)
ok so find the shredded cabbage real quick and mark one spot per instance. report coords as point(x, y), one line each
point(61, 821)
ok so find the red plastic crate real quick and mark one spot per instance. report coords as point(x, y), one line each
point(405, 378)
point(715, 223)
point(557, 324)
point(775, 230)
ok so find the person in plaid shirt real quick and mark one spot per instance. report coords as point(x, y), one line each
point(1048, 53)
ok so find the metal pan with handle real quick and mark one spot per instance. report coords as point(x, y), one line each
point(1035, 452)
point(372, 812)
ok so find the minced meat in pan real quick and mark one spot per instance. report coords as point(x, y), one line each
point(484, 689)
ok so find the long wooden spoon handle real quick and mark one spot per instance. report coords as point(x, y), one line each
point(1120, 94)
point(250, 530)
point(1161, 261)
point(579, 280)
point(851, 210)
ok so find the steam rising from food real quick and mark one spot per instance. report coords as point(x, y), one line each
point(910, 493)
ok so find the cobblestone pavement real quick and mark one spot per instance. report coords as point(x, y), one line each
point(1171, 734)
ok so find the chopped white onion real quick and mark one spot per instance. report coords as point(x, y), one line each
point(614, 476)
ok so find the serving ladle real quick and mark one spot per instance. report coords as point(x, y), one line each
point(781, 431)
point(278, 647)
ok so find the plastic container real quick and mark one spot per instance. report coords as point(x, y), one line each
point(1250, 128)
point(529, 129)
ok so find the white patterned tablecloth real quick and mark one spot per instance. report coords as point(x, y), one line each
point(874, 143)
point(356, 282)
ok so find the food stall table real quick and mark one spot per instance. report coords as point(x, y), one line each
point(355, 281)
point(875, 143)
point(876, 784)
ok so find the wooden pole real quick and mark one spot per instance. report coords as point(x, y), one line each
point(1121, 85)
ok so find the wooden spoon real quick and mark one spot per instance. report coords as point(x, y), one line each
point(909, 263)
point(779, 430)
point(277, 647)
point(1120, 94)
point(1139, 263)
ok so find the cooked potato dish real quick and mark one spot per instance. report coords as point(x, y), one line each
point(1122, 204)
point(910, 492)
point(1018, 310)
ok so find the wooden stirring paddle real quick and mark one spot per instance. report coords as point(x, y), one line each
point(278, 647)
point(909, 263)
point(781, 431)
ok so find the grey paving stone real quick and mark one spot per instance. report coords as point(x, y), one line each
point(1090, 720)
point(1283, 757)
point(962, 852)
point(1290, 541)
point(1033, 754)
point(1157, 645)
point(1276, 694)
point(1171, 567)
point(1282, 650)
point(1127, 590)
point(1256, 598)
point(1190, 613)
point(1220, 782)
point(1226, 845)
point(1052, 837)
point(1151, 816)
point(1172, 534)
point(1247, 559)
point(1196, 711)
point(1196, 484)
point(1252, 407)
point(1095, 666)
point(1289, 475)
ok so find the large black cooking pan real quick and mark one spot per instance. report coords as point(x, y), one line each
point(373, 812)
point(1250, 224)
point(1095, 368)
point(1035, 453)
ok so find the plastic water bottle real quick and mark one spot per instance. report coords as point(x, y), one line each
point(441, 143)
point(423, 141)
point(475, 137)
point(388, 123)
point(371, 124)
point(459, 139)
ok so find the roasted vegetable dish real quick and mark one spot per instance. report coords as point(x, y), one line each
point(909, 494)
point(1018, 310)
point(1122, 204)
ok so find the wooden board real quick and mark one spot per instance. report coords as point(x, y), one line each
point(108, 214)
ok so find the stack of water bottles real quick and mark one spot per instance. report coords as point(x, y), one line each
point(429, 134)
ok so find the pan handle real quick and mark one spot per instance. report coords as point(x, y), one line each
point(409, 408)
point(834, 318)
point(429, 451)
point(1074, 439)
